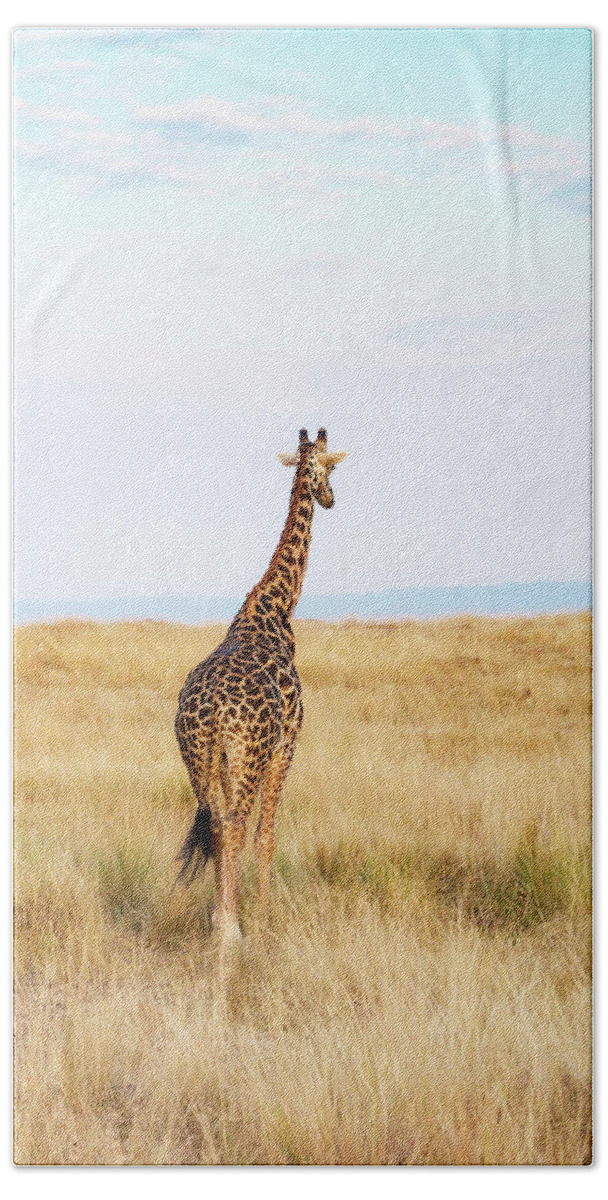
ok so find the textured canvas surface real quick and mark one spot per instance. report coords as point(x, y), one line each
point(233, 244)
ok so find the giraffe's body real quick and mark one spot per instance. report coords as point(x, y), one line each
point(241, 709)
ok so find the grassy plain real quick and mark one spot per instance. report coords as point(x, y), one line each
point(422, 994)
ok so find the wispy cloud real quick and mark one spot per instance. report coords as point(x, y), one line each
point(40, 70)
point(162, 144)
point(41, 112)
point(215, 115)
point(574, 195)
point(116, 34)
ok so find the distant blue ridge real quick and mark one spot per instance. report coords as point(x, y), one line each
point(511, 599)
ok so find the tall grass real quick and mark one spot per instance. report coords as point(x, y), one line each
point(422, 994)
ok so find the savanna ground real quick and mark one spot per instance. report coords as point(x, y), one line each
point(422, 994)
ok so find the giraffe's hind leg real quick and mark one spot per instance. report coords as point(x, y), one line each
point(264, 834)
point(241, 782)
point(219, 856)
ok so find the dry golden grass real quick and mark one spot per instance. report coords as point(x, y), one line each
point(423, 992)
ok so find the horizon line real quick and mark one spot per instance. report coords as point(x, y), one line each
point(422, 601)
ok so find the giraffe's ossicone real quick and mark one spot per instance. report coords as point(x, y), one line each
point(241, 709)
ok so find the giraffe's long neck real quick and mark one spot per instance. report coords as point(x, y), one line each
point(282, 582)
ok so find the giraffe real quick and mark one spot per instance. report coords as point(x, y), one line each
point(240, 710)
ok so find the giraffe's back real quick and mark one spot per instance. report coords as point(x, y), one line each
point(246, 694)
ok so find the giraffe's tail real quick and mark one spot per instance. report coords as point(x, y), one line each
point(198, 846)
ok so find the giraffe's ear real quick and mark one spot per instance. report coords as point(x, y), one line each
point(288, 460)
point(331, 460)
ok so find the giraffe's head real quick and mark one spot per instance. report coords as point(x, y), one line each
point(318, 462)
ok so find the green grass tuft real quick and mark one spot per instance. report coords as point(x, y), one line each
point(516, 895)
point(126, 890)
point(384, 876)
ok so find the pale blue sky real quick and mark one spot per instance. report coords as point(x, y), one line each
point(221, 235)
